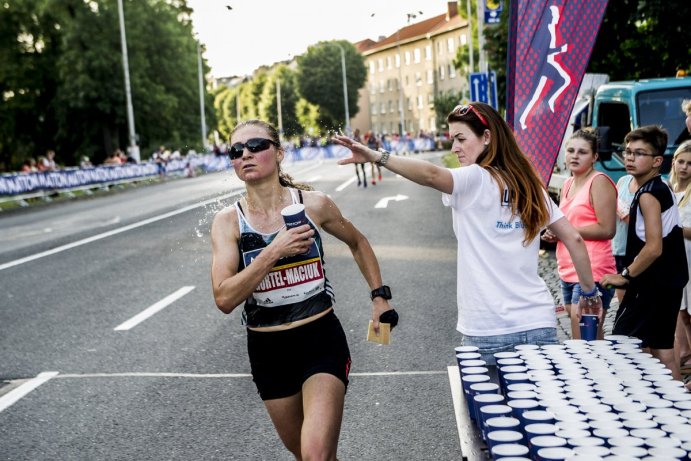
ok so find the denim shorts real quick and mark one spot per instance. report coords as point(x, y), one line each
point(489, 345)
point(572, 293)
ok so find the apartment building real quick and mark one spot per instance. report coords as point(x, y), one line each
point(407, 70)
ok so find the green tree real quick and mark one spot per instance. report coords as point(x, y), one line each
point(320, 80)
point(651, 37)
point(289, 97)
point(462, 59)
point(443, 104)
point(62, 82)
point(225, 106)
point(308, 116)
point(29, 45)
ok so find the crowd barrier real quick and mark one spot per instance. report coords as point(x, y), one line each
point(17, 184)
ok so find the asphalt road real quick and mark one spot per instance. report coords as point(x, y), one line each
point(176, 385)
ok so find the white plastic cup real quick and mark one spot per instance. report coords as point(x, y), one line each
point(294, 215)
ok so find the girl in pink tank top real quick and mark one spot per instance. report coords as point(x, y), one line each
point(589, 202)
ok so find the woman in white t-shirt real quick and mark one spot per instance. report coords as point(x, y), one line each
point(499, 207)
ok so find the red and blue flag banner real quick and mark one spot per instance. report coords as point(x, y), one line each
point(550, 42)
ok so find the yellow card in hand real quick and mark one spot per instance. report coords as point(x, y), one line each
point(384, 333)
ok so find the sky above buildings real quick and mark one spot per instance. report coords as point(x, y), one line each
point(253, 33)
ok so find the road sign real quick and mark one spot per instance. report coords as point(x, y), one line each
point(493, 9)
point(493, 89)
point(479, 87)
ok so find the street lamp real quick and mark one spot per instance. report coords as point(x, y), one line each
point(400, 74)
point(201, 96)
point(133, 149)
point(345, 85)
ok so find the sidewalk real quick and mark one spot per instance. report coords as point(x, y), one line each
point(547, 268)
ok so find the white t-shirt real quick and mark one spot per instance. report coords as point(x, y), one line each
point(499, 290)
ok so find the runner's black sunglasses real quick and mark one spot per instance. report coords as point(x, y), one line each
point(253, 145)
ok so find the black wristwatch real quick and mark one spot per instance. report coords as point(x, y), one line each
point(626, 275)
point(383, 291)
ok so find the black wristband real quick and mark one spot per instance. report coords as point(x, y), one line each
point(383, 291)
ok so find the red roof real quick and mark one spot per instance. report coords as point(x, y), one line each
point(432, 26)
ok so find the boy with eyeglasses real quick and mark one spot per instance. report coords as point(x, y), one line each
point(655, 269)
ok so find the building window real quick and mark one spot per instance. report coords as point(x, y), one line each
point(380, 61)
point(440, 49)
point(407, 58)
point(452, 71)
point(419, 101)
point(398, 60)
point(464, 39)
point(410, 103)
point(388, 62)
point(430, 76)
point(418, 78)
point(430, 98)
point(441, 72)
point(390, 106)
point(428, 53)
point(382, 108)
point(449, 45)
point(416, 55)
point(406, 81)
point(381, 86)
point(372, 88)
point(373, 109)
point(371, 67)
point(388, 84)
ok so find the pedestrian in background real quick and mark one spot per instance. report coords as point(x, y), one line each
point(589, 202)
point(363, 182)
point(373, 143)
point(499, 207)
point(297, 348)
point(656, 270)
point(680, 180)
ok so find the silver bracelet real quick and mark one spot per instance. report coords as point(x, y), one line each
point(384, 157)
point(591, 300)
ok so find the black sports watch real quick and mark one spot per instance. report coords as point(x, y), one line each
point(383, 291)
point(626, 275)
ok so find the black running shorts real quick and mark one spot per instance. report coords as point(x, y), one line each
point(650, 314)
point(282, 361)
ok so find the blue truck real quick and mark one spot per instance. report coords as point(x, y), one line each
point(615, 108)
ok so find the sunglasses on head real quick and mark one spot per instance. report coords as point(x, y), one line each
point(463, 109)
point(253, 145)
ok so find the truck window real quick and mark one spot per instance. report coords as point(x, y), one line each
point(663, 107)
point(614, 115)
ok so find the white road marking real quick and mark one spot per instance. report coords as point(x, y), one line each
point(314, 178)
point(110, 233)
point(345, 184)
point(230, 375)
point(151, 310)
point(14, 395)
point(455, 383)
point(383, 203)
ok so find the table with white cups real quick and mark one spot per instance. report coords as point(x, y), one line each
point(580, 400)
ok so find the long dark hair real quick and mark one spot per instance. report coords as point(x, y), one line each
point(283, 178)
point(509, 167)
